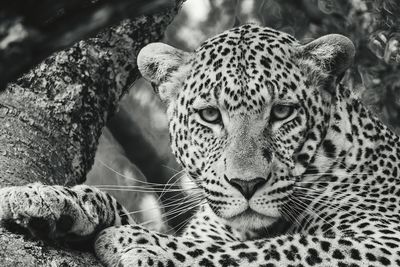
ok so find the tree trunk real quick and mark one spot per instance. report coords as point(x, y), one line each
point(51, 119)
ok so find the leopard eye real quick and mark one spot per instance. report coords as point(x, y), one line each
point(281, 112)
point(210, 115)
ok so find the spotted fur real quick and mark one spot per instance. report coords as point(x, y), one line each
point(329, 172)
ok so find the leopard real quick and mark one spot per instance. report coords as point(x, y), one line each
point(292, 168)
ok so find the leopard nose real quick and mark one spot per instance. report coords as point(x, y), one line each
point(247, 187)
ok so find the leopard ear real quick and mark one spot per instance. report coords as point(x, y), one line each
point(331, 55)
point(163, 66)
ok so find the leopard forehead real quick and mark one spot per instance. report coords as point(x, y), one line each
point(244, 69)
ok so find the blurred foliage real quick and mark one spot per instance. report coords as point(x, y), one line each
point(375, 77)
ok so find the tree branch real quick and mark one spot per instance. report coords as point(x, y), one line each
point(31, 30)
point(51, 118)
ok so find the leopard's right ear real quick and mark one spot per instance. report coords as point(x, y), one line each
point(165, 67)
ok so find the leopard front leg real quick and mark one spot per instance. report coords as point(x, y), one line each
point(56, 212)
point(133, 245)
point(136, 246)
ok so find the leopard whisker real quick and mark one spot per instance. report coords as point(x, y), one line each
point(179, 200)
point(180, 225)
point(127, 177)
point(141, 190)
point(184, 205)
point(172, 213)
point(161, 206)
point(172, 184)
point(182, 210)
point(134, 186)
point(170, 168)
point(287, 212)
point(307, 208)
point(331, 204)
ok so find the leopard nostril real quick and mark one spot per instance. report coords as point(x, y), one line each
point(247, 187)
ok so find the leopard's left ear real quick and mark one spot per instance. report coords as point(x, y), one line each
point(332, 54)
point(163, 66)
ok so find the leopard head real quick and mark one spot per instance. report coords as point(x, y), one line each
point(247, 111)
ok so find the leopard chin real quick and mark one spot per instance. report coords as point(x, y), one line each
point(252, 220)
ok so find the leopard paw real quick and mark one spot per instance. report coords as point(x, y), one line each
point(47, 212)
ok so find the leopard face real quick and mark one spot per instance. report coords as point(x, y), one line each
point(247, 111)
